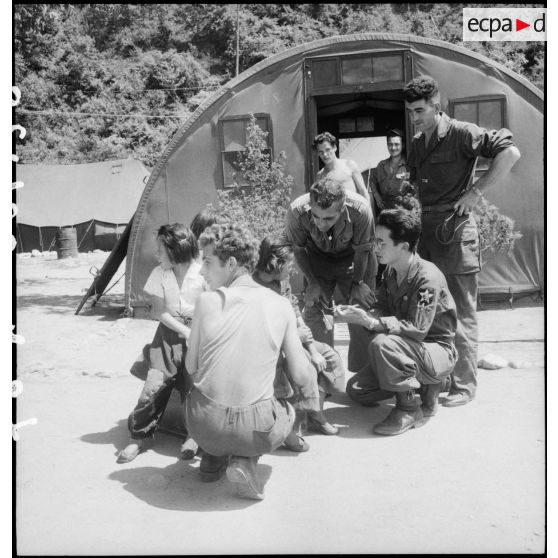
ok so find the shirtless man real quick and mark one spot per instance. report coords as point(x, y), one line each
point(344, 171)
point(238, 331)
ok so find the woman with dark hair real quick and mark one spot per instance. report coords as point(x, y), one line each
point(205, 218)
point(275, 264)
point(173, 286)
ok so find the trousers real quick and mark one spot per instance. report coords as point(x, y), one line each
point(452, 244)
point(247, 431)
point(165, 361)
point(400, 364)
point(332, 273)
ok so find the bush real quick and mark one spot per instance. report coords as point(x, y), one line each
point(496, 231)
point(260, 197)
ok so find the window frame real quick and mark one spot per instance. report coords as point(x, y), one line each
point(482, 163)
point(480, 99)
point(235, 118)
point(372, 85)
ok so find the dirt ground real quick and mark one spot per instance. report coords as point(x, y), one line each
point(470, 481)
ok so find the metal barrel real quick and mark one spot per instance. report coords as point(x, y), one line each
point(66, 243)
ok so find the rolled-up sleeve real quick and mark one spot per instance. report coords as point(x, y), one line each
point(487, 143)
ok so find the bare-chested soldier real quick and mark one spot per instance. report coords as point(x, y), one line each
point(344, 171)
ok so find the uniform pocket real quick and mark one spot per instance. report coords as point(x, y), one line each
point(264, 436)
point(457, 249)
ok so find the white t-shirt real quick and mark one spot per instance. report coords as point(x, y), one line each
point(179, 302)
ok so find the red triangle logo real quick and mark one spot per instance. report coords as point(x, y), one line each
point(519, 25)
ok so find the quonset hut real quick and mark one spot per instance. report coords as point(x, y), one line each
point(351, 86)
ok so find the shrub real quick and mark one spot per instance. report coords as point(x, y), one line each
point(496, 231)
point(261, 194)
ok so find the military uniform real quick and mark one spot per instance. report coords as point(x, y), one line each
point(441, 172)
point(390, 183)
point(416, 346)
point(331, 255)
point(332, 379)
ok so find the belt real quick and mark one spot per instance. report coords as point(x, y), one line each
point(442, 208)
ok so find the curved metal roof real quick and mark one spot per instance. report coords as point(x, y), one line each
point(467, 56)
point(314, 45)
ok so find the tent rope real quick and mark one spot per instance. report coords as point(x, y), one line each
point(113, 285)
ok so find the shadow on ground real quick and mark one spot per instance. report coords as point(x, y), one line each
point(178, 487)
point(357, 421)
point(118, 436)
point(62, 304)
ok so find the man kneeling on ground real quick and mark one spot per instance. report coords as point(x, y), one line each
point(412, 325)
point(238, 331)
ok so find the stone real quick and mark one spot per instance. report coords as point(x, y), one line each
point(492, 362)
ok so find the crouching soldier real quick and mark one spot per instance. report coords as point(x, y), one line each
point(412, 328)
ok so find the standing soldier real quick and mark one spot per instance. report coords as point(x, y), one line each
point(442, 160)
point(388, 180)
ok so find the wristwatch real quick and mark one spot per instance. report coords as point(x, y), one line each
point(359, 283)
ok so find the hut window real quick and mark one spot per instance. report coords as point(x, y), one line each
point(232, 131)
point(357, 70)
point(388, 68)
point(325, 73)
point(485, 111)
point(365, 71)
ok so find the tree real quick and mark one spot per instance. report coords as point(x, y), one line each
point(261, 200)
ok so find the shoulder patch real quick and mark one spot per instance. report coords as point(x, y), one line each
point(425, 297)
point(425, 307)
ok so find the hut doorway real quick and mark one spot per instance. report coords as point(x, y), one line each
point(360, 123)
point(357, 97)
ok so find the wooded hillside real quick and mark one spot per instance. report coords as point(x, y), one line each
point(106, 81)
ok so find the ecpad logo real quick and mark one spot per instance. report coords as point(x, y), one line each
point(504, 24)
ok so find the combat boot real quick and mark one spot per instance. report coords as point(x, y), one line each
point(406, 414)
point(429, 397)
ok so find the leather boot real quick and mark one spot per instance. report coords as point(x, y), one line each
point(429, 396)
point(406, 414)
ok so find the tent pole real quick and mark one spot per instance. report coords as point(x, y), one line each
point(237, 38)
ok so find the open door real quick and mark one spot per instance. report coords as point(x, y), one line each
point(357, 98)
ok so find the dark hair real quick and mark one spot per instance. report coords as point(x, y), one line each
point(395, 133)
point(231, 241)
point(202, 220)
point(324, 136)
point(407, 200)
point(403, 225)
point(325, 192)
point(274, 254)
point(180, 242)
point(422, 87)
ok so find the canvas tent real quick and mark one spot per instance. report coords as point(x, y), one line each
point(97, 199)
point(351, 86)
